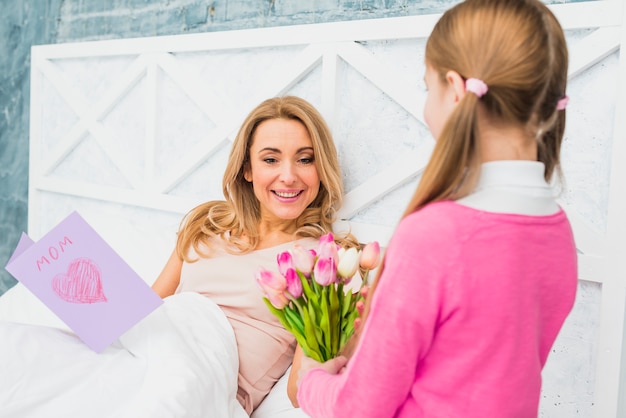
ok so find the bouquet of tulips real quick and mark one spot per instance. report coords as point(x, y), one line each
point(309, 297)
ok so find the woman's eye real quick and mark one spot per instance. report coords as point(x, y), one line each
point(307, 160)
point(269, 160)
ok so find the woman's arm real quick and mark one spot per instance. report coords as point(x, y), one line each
point(167, 282)
point(292, 383)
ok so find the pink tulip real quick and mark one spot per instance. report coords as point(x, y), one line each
point(370, 256)
point(285, 262)
point(327, 239)
point(303, 259)
point(278, 299)
point(325, 271)
point(294, 285)
point(273, 286)
point(270, 279)
point(327, 248)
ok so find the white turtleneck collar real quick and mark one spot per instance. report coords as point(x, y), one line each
point(512, 186)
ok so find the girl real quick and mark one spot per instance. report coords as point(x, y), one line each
point(481, 271)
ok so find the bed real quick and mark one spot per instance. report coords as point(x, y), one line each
point(133, 133)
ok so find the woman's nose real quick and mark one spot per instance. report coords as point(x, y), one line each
point(288, 173)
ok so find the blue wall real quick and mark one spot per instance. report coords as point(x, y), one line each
point(24, 23)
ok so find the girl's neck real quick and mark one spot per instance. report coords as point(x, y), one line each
point(500, 141)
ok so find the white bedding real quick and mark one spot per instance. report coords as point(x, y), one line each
point(174, 363)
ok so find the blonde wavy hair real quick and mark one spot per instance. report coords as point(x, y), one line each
point(236, 218)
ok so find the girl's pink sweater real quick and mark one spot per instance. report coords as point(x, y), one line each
point(462, 321)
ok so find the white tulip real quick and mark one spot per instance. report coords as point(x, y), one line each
point(348, 263)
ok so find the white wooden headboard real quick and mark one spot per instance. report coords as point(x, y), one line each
point(133, 133)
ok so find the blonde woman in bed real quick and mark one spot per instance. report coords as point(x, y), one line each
point(282, 186)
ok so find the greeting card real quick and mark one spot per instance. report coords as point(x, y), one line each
point(84, 281)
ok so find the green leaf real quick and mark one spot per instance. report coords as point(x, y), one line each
point(310, 334)
point(295, 320)
point(308, 291)
point(349, 314)
point(325, 321)
point(334, 319)
point(277, 312)
point(312, 311)
point(305, 347)
point(345, 304)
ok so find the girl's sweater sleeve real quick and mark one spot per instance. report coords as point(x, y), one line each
point(398, 332)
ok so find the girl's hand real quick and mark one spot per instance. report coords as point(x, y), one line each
point(332, 366)
point(302, 364)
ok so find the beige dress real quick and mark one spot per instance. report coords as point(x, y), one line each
point(265, 347)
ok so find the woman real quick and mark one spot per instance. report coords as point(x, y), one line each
point(282, 184)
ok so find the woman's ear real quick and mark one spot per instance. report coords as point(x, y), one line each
point(247, 173)
point(457, 84)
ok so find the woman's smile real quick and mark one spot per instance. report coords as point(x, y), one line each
point(287, 194)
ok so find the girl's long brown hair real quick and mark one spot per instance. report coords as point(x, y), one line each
point(518, 48)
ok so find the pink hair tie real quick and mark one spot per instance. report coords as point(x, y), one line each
point(562, 103)
point(476, 86)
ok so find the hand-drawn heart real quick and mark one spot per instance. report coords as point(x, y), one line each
point(81, 283)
